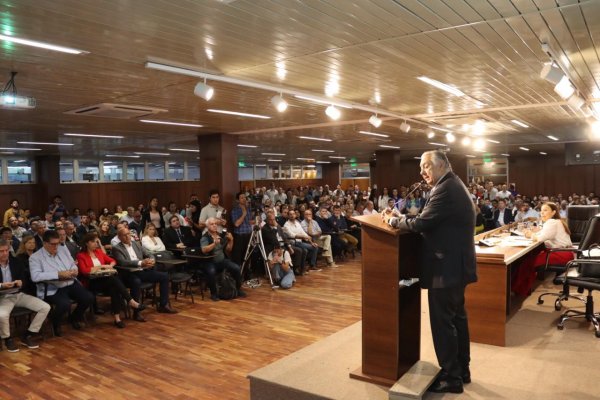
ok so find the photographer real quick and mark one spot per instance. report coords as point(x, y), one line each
point(274, 236)
point(242, 227)
point(280, 263)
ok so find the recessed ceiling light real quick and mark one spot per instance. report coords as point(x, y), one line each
point(466, 141)
point(260, 165)
point(543, 153)
point(517, 122)
point(450, 137)
point(94, 136)
point(315, 138)
point(42, 45)
point(505, 154)
point(389, 146)
point(470, 155)
point(20, 148)
point(492, 141)
point(7, 152)
point(188, 150)
point(430, 135)
point(417, 158)
point(323, 151)
point(48, 143)
point(552, 137)
point(272, 160)
point(273, 154)
point(305, 159)
point(440, 85)
point(19, 161)
point(333, 112)
point(323, 162)
point(524, 148)
point(239, 114)
point(310, 166)
point(373, 134)
point(438, 144)
point(250, 146)
point(154, 121)
point(120, 156)
point(142, 153)
point(338, 157)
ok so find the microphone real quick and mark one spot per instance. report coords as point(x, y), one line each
point(416, 186)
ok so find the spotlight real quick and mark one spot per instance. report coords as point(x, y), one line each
point(279, 103)
point(430, 135)
point(564, 88)
point(333, 113)
point(479, 144)
point(478, 127)
point(204, 91)
point(404, 127)
point(450, 137)
point(466, 141)
point(375, 121)
point(551, 73)
point(576, 102)
point(596, 129)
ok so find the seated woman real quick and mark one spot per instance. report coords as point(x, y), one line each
point(105, 236)
point(479, 220)
point(92, 260)
point(555, 234)
point(151, 241)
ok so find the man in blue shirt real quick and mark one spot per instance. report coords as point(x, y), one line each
point(241, 216)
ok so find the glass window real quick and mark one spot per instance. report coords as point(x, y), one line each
point(89, 171)
point(193, 170)
point(260, 172)
point(246, 173)
point(135, 171)
point(176, 171)
point(273, 172)
point(19, 171)
point(356, 170)
point(285, 172)
point(65, 170)
point(156, 171)
point(113, 171)
point(296, 172)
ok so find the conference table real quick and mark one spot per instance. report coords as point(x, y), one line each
point(488, 301)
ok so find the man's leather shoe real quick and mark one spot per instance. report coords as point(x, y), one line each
point(167, 310)
point(446, 386)
point(76, 325)
point(138, 317)
point(56, 331)
point(466, 376)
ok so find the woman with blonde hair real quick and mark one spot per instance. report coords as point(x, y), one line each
point(555, 234)
point(151, 241)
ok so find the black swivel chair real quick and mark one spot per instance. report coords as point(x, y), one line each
point(591, 235)
point(577, 219)
point(588, 279)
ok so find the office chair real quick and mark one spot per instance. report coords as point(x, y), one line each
point(587, 279)
point(591, 235)
point(577, 218)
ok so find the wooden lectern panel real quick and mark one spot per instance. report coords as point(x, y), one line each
point(391, 316)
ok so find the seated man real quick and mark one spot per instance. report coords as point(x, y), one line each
point(84, 227)
point(273, 236)
point(339, 222)
point(38, 229)
point(502, 215)
point(311, 227)
point(6, 234)
point(71, 246)
point(293, 229)
point(14, 276)
point(280, 264)
point(17, 230)
point(177, 236)
point(328, 227)
point(135, 226)
point(216, 244)
point(55, 272)
point(131, 255)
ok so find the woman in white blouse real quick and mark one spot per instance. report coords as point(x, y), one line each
point(555, 234)
point(151, 241)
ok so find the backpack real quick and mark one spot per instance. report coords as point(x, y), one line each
point(226, 286)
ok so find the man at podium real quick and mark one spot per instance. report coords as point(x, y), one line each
point(448, 262)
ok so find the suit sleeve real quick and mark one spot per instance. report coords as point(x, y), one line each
point(434, 214)
point(122, 259)
point(84, 263)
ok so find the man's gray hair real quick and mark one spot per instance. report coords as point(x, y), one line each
point(211, 220)
point(438, 158)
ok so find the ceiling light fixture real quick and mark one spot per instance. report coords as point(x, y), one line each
point(141, 153)
point(271, 160)
point(596, 129)
point(250, 146)
point(517, 122)
point(551, 73)
point(505, 154)
point(279, 103)
point(333, 112)
point(239, 114)
point(42, 45)
point(465, 141)
point(469, 155)
point(373, 134)
point(323, 162)
point(543, 153)
point(564, 88)
point(315, 138)
point(20, 148)
point(442, 86)
point(204, 91)
point(478, 127)
point(305, 159)
point(552, 137)
point(524, 148)
point(273, 154)
point(438, 144)
point(478, 144)
point(188, 150)
point(493, 141)
point(154, 121)
point(375, 121)
point(120, 156)
point(450, 137)
point(94, 136)
point(338, 157)
point(47, 143)
point(430, 135)
point(404, 127)
point(387, 146)
point(323, 151)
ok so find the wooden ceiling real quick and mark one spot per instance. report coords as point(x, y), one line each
point(489, 49)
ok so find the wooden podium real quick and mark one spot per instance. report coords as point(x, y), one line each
point(391, 316)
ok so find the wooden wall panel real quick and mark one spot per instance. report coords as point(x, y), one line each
point(290, 183)
point(363, 184)
point(24, 193)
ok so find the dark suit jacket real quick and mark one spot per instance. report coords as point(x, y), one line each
point(171, 239)
point(82, 230)
point(446, 224)
point(508, 216)
point(19, 271)
point(121, 255)
point(269, 237)
point(39, 242)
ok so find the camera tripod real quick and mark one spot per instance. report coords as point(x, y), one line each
point(257, 241)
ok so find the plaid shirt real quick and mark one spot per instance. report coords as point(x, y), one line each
point(245, 227)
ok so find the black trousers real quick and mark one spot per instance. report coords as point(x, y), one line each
point(134, 280)
point(450, 330)
point(240, 244)
point(212, 269)
point(62, 302)
point(115, 289)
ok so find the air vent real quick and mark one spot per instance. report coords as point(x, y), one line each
point(122, 111)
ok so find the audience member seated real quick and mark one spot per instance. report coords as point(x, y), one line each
point(328, 227)
point(217, 244)
point(526, 213)
point(293, 230)
point(57, 208)
point(48, 221)
point(179, 237)
point(84, 227)
point(17, 230)
point(14, 278)
point(136, 226)
point(213, 210)
point(71, 246)
point(105, 235)
point(128, 216)
point(138, 266)
point(151, 241)
point(92, 261)
point(340, 224)
point(555, 234)
point(55, 272)
point(75, 217)
point(172, 211)
point(7, 235)
point(104, 215)
point(502, 215)
point(312, 229)
point(273, 236)
point(13, 211)
point(280, 264)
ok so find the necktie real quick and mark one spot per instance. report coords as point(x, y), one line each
point(179, 236)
